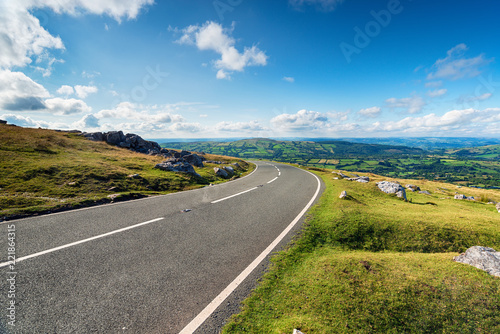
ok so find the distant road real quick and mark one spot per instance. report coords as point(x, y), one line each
point(153, 265)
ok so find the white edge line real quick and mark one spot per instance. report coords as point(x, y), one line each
point(273, 180)
point(127, 202)
point(4, 264)
point(241, 193)
point(210, 308)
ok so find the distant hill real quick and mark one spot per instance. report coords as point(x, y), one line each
point(490, 152)
point(436, 143)
point(295, 151)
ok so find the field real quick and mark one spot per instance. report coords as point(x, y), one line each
point(376, 264)
point(47, 171)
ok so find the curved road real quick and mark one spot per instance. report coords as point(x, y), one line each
point(146, 266)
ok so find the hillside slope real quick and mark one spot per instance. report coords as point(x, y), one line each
point(46, 170)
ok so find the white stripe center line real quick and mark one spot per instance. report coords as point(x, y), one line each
point(273, 180)
point(4, 264)
point(241, 193)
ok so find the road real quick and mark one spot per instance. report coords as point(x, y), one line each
point(150, 265)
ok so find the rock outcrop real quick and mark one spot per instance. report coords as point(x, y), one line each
point(130, 141)
point(177, 165)
point(392, 188)
point(360, 179)
point(461, 196)
point(483, 258)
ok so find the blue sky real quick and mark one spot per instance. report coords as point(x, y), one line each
point(241, 68)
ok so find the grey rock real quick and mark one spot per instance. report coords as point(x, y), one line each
point(194, 159)
point(95, 136)
point(235, 164)
point(229, 169)
point(134, 176)
point(181, 167)
point(343, 194)
point(498, 207)
point(483, 258)
point(460, 196)
point(425, 192)
point(392, 188)
point(412, 187)
point(114, 137)
point(2, 121)
point(221, 172)
point(296, 331)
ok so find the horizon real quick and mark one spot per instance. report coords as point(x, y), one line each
point(336, 69)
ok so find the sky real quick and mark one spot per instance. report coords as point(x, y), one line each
point(253, 68)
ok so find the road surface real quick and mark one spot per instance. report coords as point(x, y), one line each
point(158, 265)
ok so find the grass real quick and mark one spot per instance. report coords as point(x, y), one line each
point(45, 170)
point(377, 264)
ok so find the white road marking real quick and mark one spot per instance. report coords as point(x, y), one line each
point(4, 264)
point(238, 194)
point(210, 308)
point(273, 180)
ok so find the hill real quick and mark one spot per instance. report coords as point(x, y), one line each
point(373, 263)
point(47, 171)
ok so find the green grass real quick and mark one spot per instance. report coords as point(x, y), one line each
point(44, 170)
point(377, 264)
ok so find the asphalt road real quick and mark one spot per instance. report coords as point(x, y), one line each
point(151, 278)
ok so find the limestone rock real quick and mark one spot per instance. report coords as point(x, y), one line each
point(412, 187)
point(425, 192)
point(229, 169)
point(392, 188)
point(177, 166)
point(343, 194)
point(194, 159)
point(296, 331)
point(221, 172)
point(483, 258)
point(498, 207)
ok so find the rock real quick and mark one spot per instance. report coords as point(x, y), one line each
point(483, 258)
point(113, 189)
point(392, 188)
point(412, 187)
point(235, 164)
point(114, 137)
point(134, 176)
point(194, 160)
point(363, 179)
point(229, 169)
point(221, 172)
point(296, 331)
point(72, 184)
point(498, 207)
point(335, 178)
point(94, 136)
point(425, 192)
point(112, 197)
point(181, 167)
point(460, 196)
point(3, 122)
point(343, 194)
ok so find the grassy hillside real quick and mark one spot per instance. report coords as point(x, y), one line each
point(376, 264)
point(45, 170)
point(490, 152)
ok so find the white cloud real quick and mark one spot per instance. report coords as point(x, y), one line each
point(289, 79)
point(60, 106)
point(412, 105)
point(30, 122)
point(65, 90)
point(83, 91)
point(434, 84)
point(213, 37)
point(456, 66)
point(324, 5)
point(186, 127)
point(88, 121)
point(483, 97)
point(239, 126)
point(370, 112)
point(20, 93)
point(303, 120)
point(437, 93)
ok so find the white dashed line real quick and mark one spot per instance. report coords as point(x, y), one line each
point(241, 193)
point(273, 180)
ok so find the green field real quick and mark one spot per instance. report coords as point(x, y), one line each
point(376, 264)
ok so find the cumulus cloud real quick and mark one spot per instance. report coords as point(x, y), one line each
point(456, 66)
point(289, 79)
point(60, 106)
point(83, 91)
point(65, 90)
point(324, 5)
point(132, 111)
point(213, 37)
point(412, 105)
point(239, 126)
point(370, 112)
point(88, 121)
point(20, 93)
point(22, 37)
point(437, 92)
point(303, 120)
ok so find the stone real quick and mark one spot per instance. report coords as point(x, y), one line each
point(343, 194)
point(112, 197)
point(3, 122)
point(134, 176)
point(483, 258)
point(412, 187)
point(115, 137)
point(229, 169)
point(498, 207)
point(460, 196)
point(181, 167)
point(221, 172)
point(235, 164)
point(194, 159)
point(392, 188)
point(94, 136)
point(296, 331)
point(425, 192)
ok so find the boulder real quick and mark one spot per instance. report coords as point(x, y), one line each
point(181, 167)
point(194, 160)
point(392, 188)
point(3, 122)
point(235, 164)
point(498, 207)
point(460, 196)
point(221, 172)
point(412, 187)
point(114, 137)
point(483, 258)
point(343, 194)
point(94, 136)
point(229, 169)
